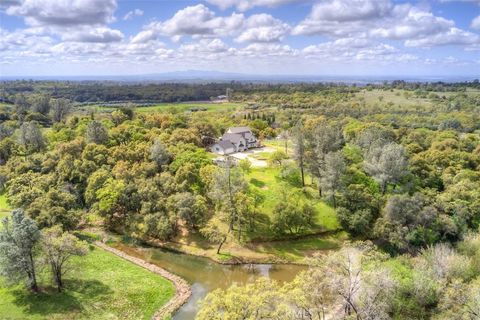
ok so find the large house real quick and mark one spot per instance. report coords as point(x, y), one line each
point(236, 139)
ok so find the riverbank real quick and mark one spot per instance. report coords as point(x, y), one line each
point(289, 251)
point(182, 288)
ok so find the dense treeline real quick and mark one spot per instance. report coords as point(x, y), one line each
point(101, 91)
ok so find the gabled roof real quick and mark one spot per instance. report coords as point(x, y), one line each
point(226, 144)
point(239, 130)
point(233, 137)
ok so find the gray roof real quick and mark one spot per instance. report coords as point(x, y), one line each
point(233, 137)
point(239, 129)
point(226, 144)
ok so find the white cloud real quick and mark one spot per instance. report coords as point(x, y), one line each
point(382, 19)
point(134, 13)
point(263, 28)
point(79, 49)
point(200, 22)
point(470, 1)
point(197, 21)
point(454, 36)
point(145, 36)
point(244, 5)
point(63, 12)
point(475, 23)
point(342, 18)
point(351, 48)
point(204, 46)
point(72, 20)
point(266, 50)
point(23, 40)
point(101, 34)
point(362, 33)
point(351, 10)
point(411, 22)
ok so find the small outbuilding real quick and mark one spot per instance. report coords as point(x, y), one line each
point(223, 147)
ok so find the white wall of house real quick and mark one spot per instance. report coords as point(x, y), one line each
point(219, 150)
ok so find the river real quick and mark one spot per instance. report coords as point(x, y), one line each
point(204, 275)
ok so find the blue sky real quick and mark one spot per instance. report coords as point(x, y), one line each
point(301, 37)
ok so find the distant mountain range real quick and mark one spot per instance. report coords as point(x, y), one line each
point(198, 76)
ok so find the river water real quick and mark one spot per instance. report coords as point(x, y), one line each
point(204, 275)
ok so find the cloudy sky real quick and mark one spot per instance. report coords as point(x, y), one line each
point(321, 37)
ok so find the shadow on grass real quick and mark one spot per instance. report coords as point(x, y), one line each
point(257, 183)
point(50, 302)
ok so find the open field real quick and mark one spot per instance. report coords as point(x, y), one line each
point(104, 287)
point(176, 107)
point(183, 107)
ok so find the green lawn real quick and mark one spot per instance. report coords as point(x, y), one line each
point(3, 202)
point(4, 207)
point(101, 286)
point(274, 190)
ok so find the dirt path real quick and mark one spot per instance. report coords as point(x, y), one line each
point(182, 288)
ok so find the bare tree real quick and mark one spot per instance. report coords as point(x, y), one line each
point(159, 153)
point(60, 108)
point(31, 137)
point(41, 104)
point(228, 186)
point(332, 174)
point(363, 292)
point(298, 135)
point(323, 139)
point(58, 248)
point(386, 164)
point(96, 133)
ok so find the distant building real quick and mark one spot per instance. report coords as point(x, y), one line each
point(236, 139)
point(219, 99)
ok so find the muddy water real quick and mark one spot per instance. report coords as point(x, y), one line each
point(205, 275)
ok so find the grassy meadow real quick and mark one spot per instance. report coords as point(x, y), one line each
point(274, 190)
point(100, 286)
point(175, 107)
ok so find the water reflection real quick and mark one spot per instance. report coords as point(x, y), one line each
point(205, 275)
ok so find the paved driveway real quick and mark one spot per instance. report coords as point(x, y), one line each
point(250, 155)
